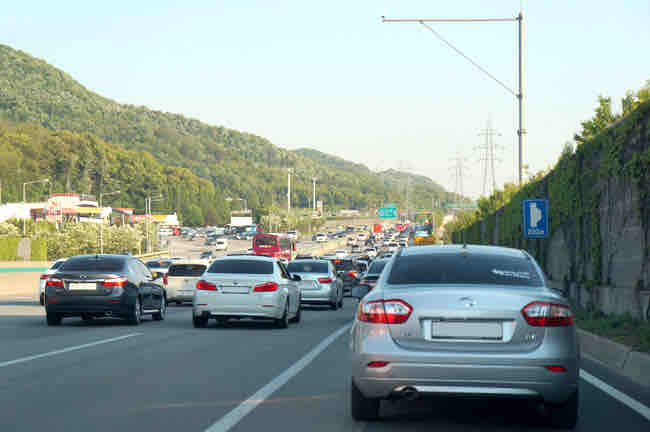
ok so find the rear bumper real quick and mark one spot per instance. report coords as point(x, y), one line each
point(261, 312)
point(325, 295)
point(78, 306)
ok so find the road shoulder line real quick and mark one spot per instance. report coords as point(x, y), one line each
point(616, 394)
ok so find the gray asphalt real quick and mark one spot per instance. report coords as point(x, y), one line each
point(170, 376)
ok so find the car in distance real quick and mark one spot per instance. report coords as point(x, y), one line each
point(466, 320)
point(321, 238)
point(180, 279)
point(207, 255)
point(93, 286)
point(370, 277)
point(320, 284)
point(53, 268)
point(246, 286)
point(221, 244)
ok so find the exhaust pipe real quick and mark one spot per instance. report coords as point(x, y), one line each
point(407, 393)
point(109, 314)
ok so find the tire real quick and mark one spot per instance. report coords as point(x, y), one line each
point(179, 303)
point(296, 319)
point(361, 407)
point(53, 319)
point(335, 305)
point(135, 316)
point(160, 316)
point(199, 322)
point(564, 415)
point(283, 322)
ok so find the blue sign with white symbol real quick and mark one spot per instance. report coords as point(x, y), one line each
point(536, 218)
point(387, 212)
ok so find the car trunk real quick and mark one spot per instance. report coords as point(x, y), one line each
point(467, 318)
point(310, 280)
point(237, 289)
point(84, 284)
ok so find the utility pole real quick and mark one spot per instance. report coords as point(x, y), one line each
point(289, 171)
point(521, 131)
point(314, 195)
point(101, 225)
point(487, 158)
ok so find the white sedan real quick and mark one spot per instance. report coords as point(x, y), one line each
point(246, 286)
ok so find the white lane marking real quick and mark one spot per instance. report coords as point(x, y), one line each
point(619, 396)
point(65, 350)
point(237, 414)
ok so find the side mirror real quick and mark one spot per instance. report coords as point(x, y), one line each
point(296, 278)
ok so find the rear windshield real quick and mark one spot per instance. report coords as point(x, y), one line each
point(463, 269)
point(159, 264)
point(266, 241)
point(186, 269)
point(343, 265)
point(376, 267)
point(307, 267)
point(241, 266)
point(92, 264)
point(57, 265)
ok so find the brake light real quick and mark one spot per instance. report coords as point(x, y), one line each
point(54, 282)
point(543, 314)
point(384, 311)
point(115, 282)
point(351, 274)
point(44, 276)
point(205, 286)
point(266, 287)
point(325, 280)
point(165, 279)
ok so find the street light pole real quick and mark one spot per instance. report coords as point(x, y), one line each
point(314, 196)
point(521, 131)
point(289, 171)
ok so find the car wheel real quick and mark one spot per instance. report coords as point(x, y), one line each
point(296, 319)
point(341, 300)
point(283, 322)
point(334, 305)
point(199, 321)
point(53, 319)
point(159, 316)
point(136, 313)
point(362, 408)
point(564, 415)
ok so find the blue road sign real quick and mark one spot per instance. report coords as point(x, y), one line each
point(387, 212)
point(536, 218)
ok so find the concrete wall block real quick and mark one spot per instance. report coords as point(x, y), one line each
point(618, 300)
point(637, 368)
point(608, 352)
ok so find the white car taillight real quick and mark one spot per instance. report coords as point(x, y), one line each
point(384, 311)
point(543, 314)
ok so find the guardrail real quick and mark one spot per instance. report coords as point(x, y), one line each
point(154, 254)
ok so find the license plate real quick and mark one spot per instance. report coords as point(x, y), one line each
point(82, 286)
point(234, 290)
point(309, 285)
point(466, 330)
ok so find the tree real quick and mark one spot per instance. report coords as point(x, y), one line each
point(601, 120)
point(193, 216)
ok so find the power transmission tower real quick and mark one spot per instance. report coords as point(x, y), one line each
point(488, 156)
point(458, 168)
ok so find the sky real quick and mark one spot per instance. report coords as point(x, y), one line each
point(331, 76)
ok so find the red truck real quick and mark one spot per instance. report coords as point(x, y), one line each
point(377, 228)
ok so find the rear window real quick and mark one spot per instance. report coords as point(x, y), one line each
point(57, 265)
point(376, 267)
point(266, 241)
point(343, 265)
point(241, 266)
point(186, 269)
point(463, 269)
point(159, 264)
point(307, 267)
point(92, 264)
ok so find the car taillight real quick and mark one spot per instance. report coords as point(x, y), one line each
point(54, 282)
point(205, 286)
point(543, 314)
point(384, 311)
point(325, 280)
point(115, 282)
point(351, 274)
point(44, 276)
point(266, 287)
point(165, 279)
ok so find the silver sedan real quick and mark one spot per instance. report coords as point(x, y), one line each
point(464, 320)
point(246, 286)
point(320, 284)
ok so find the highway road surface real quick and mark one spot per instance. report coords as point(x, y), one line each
point(168, 376)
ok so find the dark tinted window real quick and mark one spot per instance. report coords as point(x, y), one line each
point(159, 264)
point(463, 269)
point(186, 269)
point(347, 265)
point(242, 266)
point(285, 243)
point(266, 241)
point(307, 267)
point(57, 265)
point(92, 264)
point(376, 267)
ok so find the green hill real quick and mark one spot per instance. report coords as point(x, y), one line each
point(238, 164)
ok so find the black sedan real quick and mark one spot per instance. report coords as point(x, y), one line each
point(93, 286)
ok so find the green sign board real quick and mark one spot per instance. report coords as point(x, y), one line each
point(387, 212)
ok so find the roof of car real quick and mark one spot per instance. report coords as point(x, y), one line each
point(456, 248)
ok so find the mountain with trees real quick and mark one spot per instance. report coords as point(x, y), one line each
point(236, 164)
